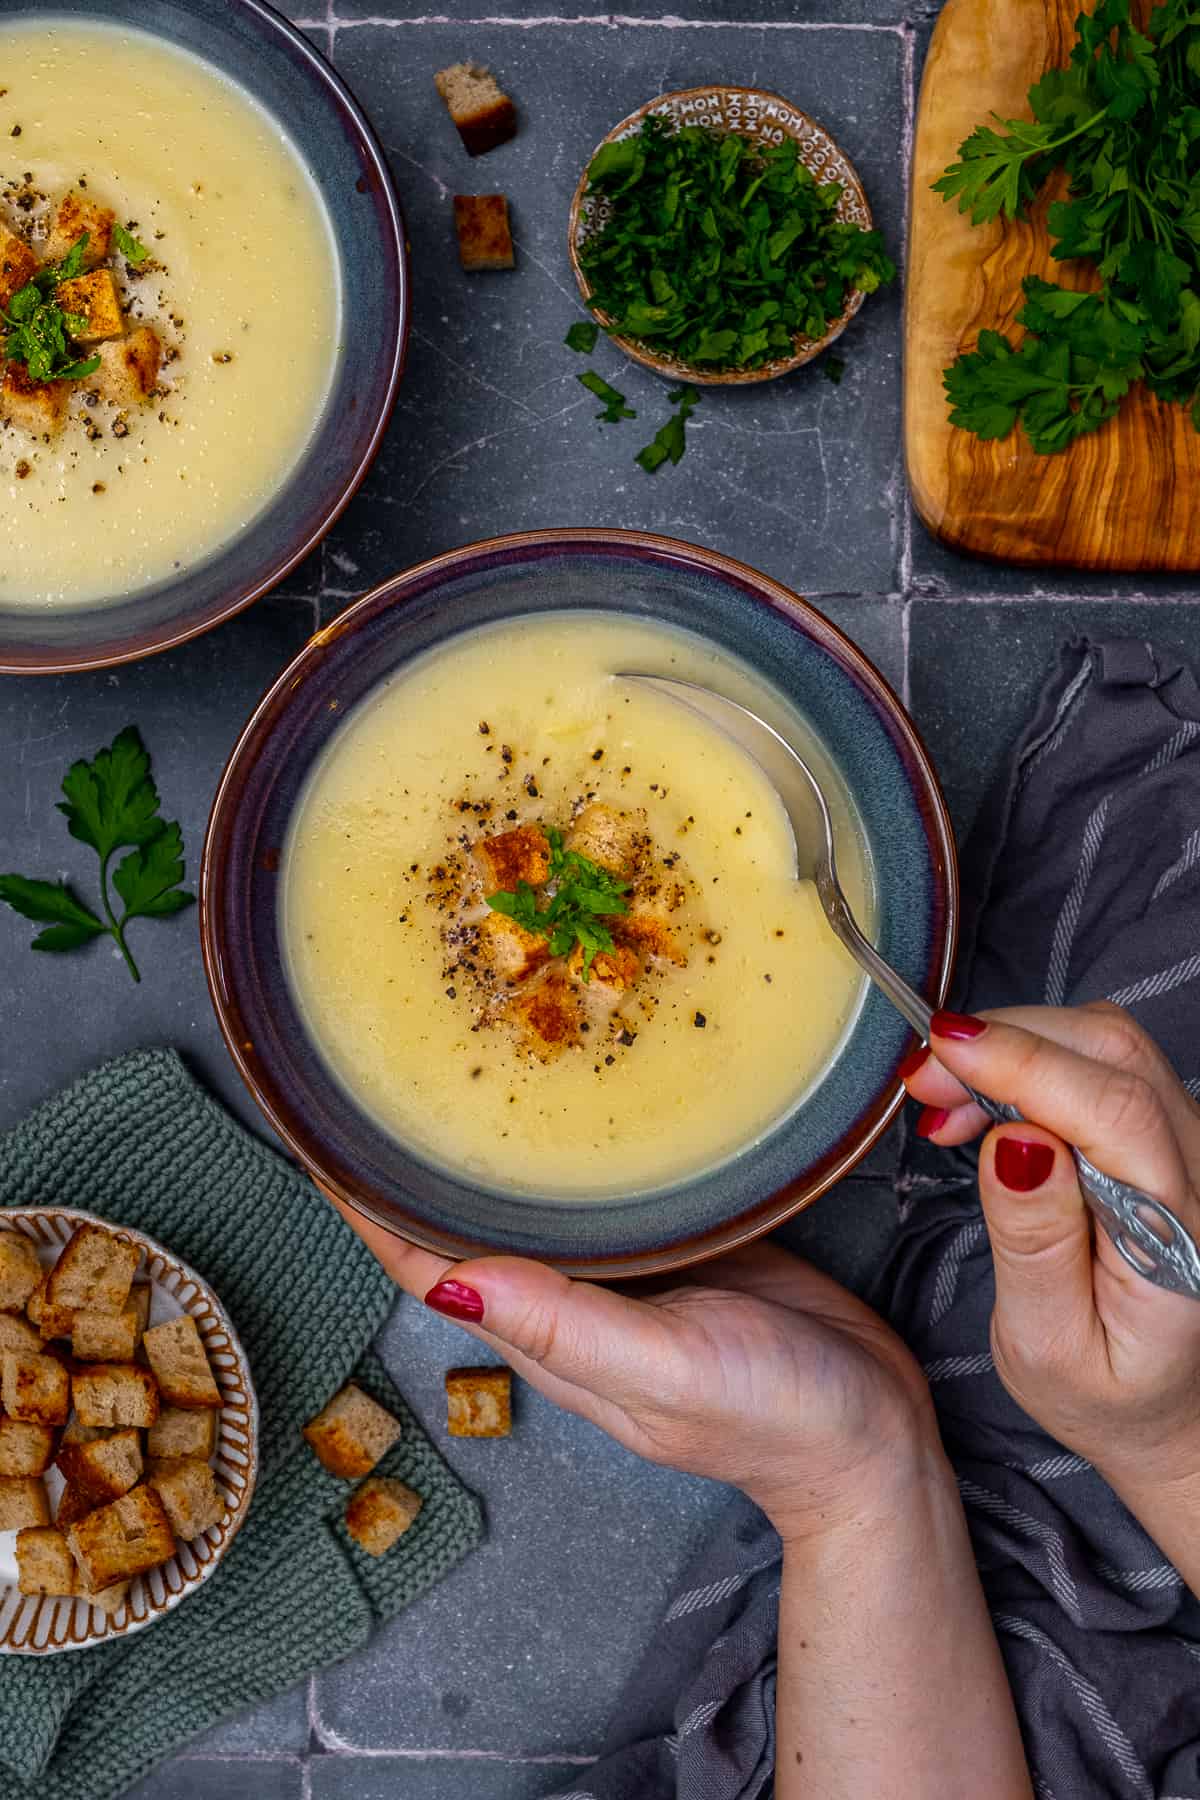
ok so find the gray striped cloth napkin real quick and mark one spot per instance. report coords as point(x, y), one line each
point(1085, 872)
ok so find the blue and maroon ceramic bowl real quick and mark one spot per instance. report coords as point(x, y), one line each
point(280, 69)
point(846, 701)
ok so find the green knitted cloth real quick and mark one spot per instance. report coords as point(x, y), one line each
point(139, 1143)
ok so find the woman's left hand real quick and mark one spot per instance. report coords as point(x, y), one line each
point(755, 1370)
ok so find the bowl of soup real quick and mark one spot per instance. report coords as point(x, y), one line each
point(202, 266)
point(510, 950)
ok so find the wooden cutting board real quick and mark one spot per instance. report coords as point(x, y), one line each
point(1124, 497)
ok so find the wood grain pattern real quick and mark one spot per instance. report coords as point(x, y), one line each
point(1125, 497)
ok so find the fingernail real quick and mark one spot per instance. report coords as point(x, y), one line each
point(1022, 1164)
point(957, 1025)
point(456, 1300)
point(916, 1059)
point(932, 1119)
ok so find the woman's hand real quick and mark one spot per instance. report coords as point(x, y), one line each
point(1108, 1363)
point(757, 1370)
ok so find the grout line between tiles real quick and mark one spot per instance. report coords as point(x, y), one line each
point(1034, 596)
point(606, 21)
point(905, 640)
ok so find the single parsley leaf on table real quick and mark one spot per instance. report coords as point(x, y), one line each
point(615, 407)
point(670, 441)
point(582, 336)
point(111, 804)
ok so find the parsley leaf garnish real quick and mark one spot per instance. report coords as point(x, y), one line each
point(581, 895)
point(669, 440)
point(131, 248)
point(582, 336)
point(111, 804)
point(39, 331)
point(615, 408)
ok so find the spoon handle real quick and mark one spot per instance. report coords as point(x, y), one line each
point(1146, 1233)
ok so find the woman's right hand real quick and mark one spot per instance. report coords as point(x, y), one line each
point(1105, 1361)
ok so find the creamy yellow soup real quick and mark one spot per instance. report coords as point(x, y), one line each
point(245, 293)
point(521, 723)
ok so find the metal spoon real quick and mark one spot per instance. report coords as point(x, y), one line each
point(1146, 1233)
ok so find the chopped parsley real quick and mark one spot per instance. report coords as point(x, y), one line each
point(833, 368)
point(582, 336)
point(670, 441)
point(40, 332)
point(130, 247)
point(615, 408)
point(581, 895)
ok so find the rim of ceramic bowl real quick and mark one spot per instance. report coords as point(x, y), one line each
point(668, 366)
point(395, 277)
point(287, 1117)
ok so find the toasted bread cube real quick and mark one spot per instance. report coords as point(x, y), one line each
point(20, 1271)
point(128, 367)
point(36, 407)
point(482, 114)
point(614, 840)
point(614, 970)
point(522, 854)
point(75, 214)
point(181, 1432)
point(104, 1468)
point(35, 1387)
point(73, 1505)
point(176, 1354)
point(23, 1501)
point(188, 1491)
point(111, 1599)
point(52, 1321)
point(547, 1015)
point(139, 1299)
point(26, 1448)
point(352, 1433)
point(18, 265)
point(479, 1402)
point(95, 1271)
point(379, 1512)
point(44, 1562)
point(18, 1334)
point(508, 950)
point(115, 1394)
point(94, 300)
point(483, 232)
point(75, 1432)
point(105, 1337)
point(123, 1539)
point(650, 934)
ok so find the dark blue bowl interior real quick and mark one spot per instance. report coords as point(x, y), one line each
point(829, 682)
point(279, 68)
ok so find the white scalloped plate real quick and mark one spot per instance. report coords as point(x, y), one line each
point(41, 1626)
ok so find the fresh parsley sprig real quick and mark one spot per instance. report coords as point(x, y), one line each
point(111, 804)
point(615, 405)
point(581, 896)
point(670, 440)
point(39, 331)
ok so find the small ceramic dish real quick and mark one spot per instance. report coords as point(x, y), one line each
point(741, 614)
point(751, 113)
point(32, 1625)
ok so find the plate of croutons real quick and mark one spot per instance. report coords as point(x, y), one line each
point(128, 1431)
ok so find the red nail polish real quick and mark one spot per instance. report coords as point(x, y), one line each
point(1022, 1164)
point(916, 1059)
point(456, 1300)
point(957, 1025)
point(932, 1119)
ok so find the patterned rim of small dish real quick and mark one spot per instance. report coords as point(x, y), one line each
point(764, 114)
point(32, 1625)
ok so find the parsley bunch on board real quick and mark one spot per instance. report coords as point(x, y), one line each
point(582, 896)
point(39, 331)
point(1123, 120)
point(720, 251)
point(112, 804)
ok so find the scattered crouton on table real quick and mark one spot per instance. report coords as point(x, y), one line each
point(484, 235)
point(351, 1434)
point(483, 115)
point(479, 1402)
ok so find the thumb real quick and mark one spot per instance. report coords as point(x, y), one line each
point(1040, 1236)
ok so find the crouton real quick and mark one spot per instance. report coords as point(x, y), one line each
point(94, 303)
point(123, 1539)
point(352, 1433)
point(36, 407)
point(479, 1402)
point(26, 1448)
point(139, 1299)
point(20, 1271)
point(176, 1354)
point(483, 116)
point(104, 1468)
point(35, 1387)
point(75, 214)
point(23, 1501)
point(105, 1337)
point(547, 1015)
point(115, 1394)
point(484, 237)
point(511, 953)
point(128, 367)
point(18, 265)
point(651, 935)
point(379, 1512)
point(95, 1271)
point(73, 1505)
point(190, 1495)
point(52, 1321)
point(17, 1334)
point(522, 854)
point(615, 840)
point(111, 1599)
point(614, 970)
point(74, 1432)
point(44, 1562)
point(179, 1432)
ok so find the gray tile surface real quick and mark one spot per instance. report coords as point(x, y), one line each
point(439, 1778)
